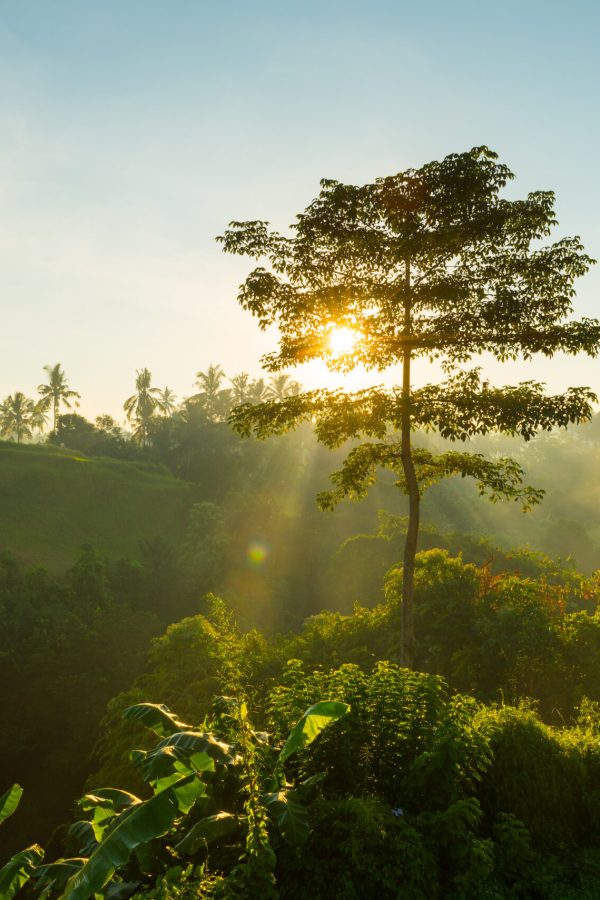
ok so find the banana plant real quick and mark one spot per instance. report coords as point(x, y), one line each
point(19, 869)
point(285, 802)
point(9, 801)
point(191, 775)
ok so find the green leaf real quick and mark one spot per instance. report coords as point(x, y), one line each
point(109, 798)
point(85, 834)
point(157, 717)
point(153, 858)
point(207, 830)
point(290, 814)
point(185, 752)
point(19, 870)
point(103, 805)
point(311, 725)
point(137, 825)
point(53, 877)
point(9, 801)
point(121, 890)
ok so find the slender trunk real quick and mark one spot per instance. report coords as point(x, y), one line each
point(55, 414)
point(407, 647)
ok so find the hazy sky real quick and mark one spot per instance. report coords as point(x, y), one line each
point(132, 131)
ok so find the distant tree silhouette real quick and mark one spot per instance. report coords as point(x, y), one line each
point(18, 416)
point(167, 401)
point(39, 419)
point(56, 392)
point(257, 393)
point(141, 406)
point(282, 386)
point(214, 400)
point(240, 389)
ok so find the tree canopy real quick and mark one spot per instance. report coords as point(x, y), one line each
point(56, 392)
point(432, 262)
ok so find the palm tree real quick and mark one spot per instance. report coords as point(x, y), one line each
point(281, 386)
point(240, 388)
point(140, 407)
point(214, 400)
point(17, 416)
point(39, 419)
point(57, 392)
point(167, 401)
point(257, 392)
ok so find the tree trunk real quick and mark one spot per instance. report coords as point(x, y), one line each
point(407, 645)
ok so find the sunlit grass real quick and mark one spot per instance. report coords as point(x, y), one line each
point(54, 500)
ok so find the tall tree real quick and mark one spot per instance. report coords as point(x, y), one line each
point(431, 262)
point(240, 389)
point(18, 416)
point(141, 406)
point(215, 400)
point(257, 393)
point(282, 386)
point(167, 401)
point(39, 419)
point(56, 392)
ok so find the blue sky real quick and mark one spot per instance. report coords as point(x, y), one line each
point(132, 131)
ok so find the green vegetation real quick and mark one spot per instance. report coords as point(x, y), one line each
point(56, 392)
point(394, 785)
point(55, 500)
point(433, 262)
point(188, 569)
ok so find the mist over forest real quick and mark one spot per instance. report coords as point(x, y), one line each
point(299, 451)
point(112, 546)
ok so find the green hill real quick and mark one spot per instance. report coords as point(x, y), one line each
point(54, 500)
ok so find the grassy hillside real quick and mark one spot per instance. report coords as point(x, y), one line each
point(54, 500)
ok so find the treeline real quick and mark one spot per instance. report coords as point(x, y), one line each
point(22, 417)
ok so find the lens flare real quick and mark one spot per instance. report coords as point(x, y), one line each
point(341, 340)
point(257, 554)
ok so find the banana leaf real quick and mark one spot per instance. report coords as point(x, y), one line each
point(9, 801)
point(86, 836)
point(157, 717)
point(121, 890)
point(137, 825)
point(185, 752)
point(111, 798)
point(53, 877)
point(19, 870)
point(104, 805)
point(207, 830)
point(290, 814)
point(311, 725)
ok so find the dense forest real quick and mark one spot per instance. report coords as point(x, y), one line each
point(222, 678)
point(506, 603)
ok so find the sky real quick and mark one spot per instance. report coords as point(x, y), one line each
point(133, 131)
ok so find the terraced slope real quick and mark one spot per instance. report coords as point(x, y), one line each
point(53, 500)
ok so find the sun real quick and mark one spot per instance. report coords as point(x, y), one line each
point(341, 340)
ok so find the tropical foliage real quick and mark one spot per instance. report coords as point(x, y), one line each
point(191, 775)
point(19, 415)
point(56, 392)
point(142, 405)
point(306, 758)
point(433, 262)
point(395, 787)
